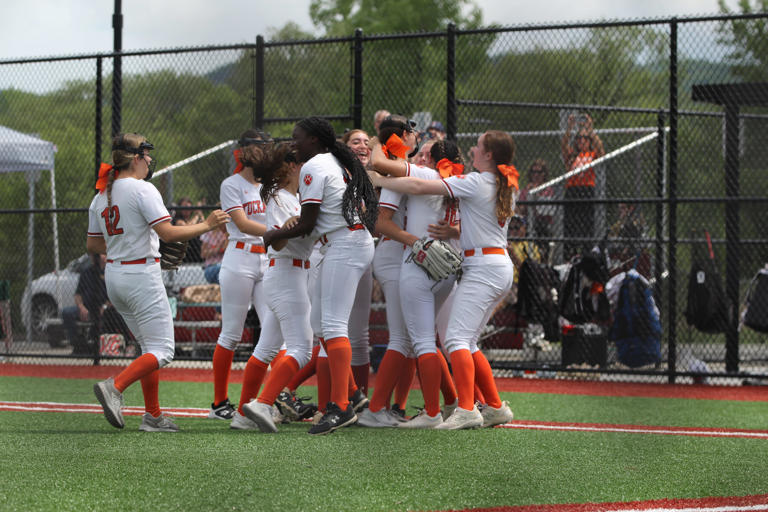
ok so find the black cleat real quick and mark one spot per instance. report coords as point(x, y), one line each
point(293, 407)
point(221, 411)
point(334, 419)
point(358, 400)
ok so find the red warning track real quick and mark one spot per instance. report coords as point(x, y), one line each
point(755, 503)
point(514, 385)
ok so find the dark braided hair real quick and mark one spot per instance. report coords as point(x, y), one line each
point(445, 149)
point(272, 175)
point(359, 197)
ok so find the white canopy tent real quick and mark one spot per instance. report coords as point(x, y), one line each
point(20, 152)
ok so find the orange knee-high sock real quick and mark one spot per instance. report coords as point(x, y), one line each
point(255, 370)
point(139, 368)
point(447, 388)
point(404, 381)
point(386, 377)
point(429, 372)
point(222, 366)
point(339, 358)
point(277, 358)
point(306, 372)
point(351, 384)
point(464, 377)
point(360, 374)
point(278, 378)
point(149, 388)
point(323, 383)
point(485, 381)
point(479, 397)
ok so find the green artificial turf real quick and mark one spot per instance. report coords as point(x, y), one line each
point(59, 461)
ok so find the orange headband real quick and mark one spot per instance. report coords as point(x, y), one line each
point(101, 183)
point(511, 173)
point(446, 168)
point(395, 146)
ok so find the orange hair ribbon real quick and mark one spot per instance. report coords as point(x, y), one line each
point(446, 168)
point(395, 146)
point(238, 153)
point(511, 174)
point(101, 183)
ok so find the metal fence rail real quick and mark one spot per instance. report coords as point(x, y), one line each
point(671, 170)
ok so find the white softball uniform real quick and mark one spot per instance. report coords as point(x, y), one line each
point(487, 269)
point(420, 297)
point(387, 260)
point(348, 251)
point(243, 264)
point(285, 286)
point(133, 276)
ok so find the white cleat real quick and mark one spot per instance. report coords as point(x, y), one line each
point(160, 424)
point(493, 417)
point(261, 414)
point(240, 422)
point(111, 401)
point(449, 408)
point(462, 419)
point(423, 420)
point(378, 419)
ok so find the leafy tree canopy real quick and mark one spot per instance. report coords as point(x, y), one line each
point(342, 17)
point(748, 40)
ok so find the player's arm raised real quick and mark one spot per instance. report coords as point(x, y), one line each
point(384, 165)
point(304, 225)
point(170, 233)
point(409, 185)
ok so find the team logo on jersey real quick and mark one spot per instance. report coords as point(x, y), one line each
point(307, 179)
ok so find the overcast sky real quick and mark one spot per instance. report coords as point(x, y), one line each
point(33, 28)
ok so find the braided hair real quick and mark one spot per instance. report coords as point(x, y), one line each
point(122, 157)
point(446, 149)
point(359, 197)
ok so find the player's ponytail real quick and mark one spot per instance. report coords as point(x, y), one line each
point(359, 197)
point(273, 169)
point(122, 155)
point(502, 148)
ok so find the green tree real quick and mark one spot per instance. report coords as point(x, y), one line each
point(748, 41)
point(342, 17)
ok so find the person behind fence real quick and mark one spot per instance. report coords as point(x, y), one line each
point(630, 227)
point(541, 217)
point(125, 220)
point(378, 117)
point(579, 148)
point(92, 305)
point(519, 250)
point(213, 245)
point(188, 217)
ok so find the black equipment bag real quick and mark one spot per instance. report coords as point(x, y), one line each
point(537, 296)
point(755, 314)
point(707, 308)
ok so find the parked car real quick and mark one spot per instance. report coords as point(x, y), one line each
point(45, 297)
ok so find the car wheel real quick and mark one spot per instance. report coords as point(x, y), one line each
point(43, 309)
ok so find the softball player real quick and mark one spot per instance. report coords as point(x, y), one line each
point(243, 264)
point(124, 221)
point(420, 298)
point(339, 207)
point(285, 282)
point(487, 200)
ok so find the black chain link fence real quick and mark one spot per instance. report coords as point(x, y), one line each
point(618, 148)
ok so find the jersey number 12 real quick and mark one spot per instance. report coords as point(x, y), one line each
point(111, 218)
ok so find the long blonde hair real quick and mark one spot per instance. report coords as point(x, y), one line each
point(121, 157)
point(501, 145)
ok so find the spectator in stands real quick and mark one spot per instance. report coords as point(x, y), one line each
point(541, 217)
point(631, 228)
point(378, 117)
point(92, 305)
point(435, 131)
point(213, 245)
point(577, 152)
point(188, 217)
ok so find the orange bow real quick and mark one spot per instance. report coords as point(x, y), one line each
point(101, 183)
point(395, 146)
point(239, 167)
point(511, 173)
point(446, 168)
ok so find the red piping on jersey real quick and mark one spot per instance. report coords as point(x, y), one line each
point(233, 208)
point(389, 205)
point(161, 219)
point(96, 234)
point(310, 200)
point(450, 191)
